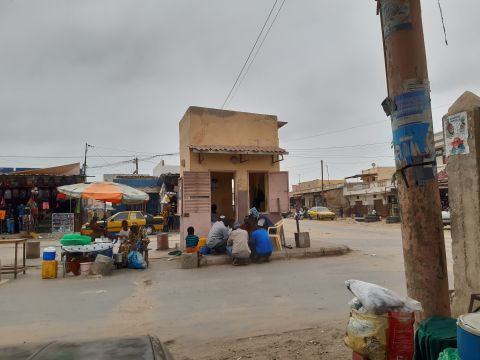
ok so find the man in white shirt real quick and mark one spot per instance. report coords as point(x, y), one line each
point(237, 245)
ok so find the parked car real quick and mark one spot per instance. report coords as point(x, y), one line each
point(151, 223)
point(130, 348)
point(321, 213)
point(446, 217)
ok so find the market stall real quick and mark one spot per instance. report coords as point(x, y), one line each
point(79, 253)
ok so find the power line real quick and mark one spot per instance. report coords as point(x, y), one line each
point(60, 157)
point(337, 131)
point(258, 50)
point(250, 54)
point(342, 147)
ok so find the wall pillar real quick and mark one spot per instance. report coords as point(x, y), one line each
point(462, 123)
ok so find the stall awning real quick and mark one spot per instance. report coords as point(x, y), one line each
point(234, 149)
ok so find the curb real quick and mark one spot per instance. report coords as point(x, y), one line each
point(286, 254)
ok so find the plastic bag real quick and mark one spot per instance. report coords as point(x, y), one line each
point(135, 260)
point(449, 354)
point(367, 335)
point(379, 300)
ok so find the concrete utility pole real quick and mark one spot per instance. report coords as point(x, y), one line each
point(408, 104)
point(321, 161)
point(136, 165)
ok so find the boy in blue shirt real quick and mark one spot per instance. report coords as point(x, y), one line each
point(260, 244)
point(191, 240)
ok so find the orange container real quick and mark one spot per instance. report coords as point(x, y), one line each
point(49, 269)
point(201, 243)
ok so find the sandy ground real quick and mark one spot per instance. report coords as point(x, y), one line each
point(289, 309)
point(324, 343)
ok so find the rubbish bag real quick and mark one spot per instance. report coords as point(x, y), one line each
point(379, 300)
point(367, 335)
point(135, 260)
point(449, 354)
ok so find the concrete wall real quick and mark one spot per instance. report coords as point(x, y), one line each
point(464, 198)
point(204, 126)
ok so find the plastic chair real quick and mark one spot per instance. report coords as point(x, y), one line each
point(277, 235)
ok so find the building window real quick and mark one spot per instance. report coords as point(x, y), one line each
point(358, 197)
point(374, 196)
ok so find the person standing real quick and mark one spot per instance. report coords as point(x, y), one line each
point(21, 214)
point(10, 220)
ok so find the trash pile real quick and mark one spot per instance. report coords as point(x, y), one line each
point(381, 322)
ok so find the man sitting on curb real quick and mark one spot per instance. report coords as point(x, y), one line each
point(260, 244)
point(237, 246)
point(217, 237)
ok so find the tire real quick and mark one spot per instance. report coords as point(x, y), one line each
point(149, 230)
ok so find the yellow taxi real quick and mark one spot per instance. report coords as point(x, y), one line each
point(321, 213)
point(150, 223)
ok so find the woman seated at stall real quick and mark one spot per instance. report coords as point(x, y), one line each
point(138, 238)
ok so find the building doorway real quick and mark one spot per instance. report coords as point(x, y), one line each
point(223, 193)
point(257, 188)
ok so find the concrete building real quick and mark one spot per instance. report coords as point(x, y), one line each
point(309, 193)
point(230, 159)
point(165, 169)
point(372, 189)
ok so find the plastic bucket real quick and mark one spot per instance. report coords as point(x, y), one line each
point(85, 268)
point(201, 243)
point(49, 253)
point(468, 336)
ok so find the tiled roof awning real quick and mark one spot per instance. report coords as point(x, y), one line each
point(232, 149)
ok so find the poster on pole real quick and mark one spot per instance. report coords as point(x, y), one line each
point(455, 130)
point(63, 223)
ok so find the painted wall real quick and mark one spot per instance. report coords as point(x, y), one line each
point(464, 199)
point(204, 126)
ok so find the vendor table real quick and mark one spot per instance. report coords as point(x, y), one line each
point(15, 269)
point(68, 251)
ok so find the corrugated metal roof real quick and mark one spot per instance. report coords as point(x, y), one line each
point(65, 170)
point(237, 149)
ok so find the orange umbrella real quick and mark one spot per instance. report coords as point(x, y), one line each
point(105, 191)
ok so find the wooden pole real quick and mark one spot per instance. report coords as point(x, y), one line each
point(408, 104)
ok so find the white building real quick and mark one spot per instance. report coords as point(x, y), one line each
point(373, 189)
point(163, 169)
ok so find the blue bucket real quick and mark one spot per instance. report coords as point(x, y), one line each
point(468, 336)
point(49, 253)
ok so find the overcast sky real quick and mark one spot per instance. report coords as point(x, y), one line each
point(120, 74)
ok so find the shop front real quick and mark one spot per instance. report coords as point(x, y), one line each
point(29, 198)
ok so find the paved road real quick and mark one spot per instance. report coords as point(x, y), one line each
point(211, 302)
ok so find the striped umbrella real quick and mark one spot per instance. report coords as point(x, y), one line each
point(105, 191)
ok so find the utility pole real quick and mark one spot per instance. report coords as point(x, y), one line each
point(408, 104)
point(322, 183)
point(84, 167)
point(136, 166)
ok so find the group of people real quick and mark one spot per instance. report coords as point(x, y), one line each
point(244, 243)
point(20, 218)
point(133, 239)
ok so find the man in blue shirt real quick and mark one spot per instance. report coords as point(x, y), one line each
point(260, 244)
